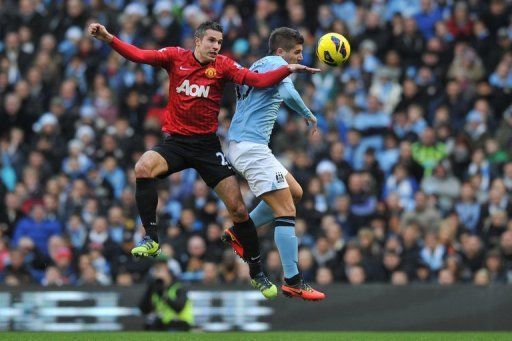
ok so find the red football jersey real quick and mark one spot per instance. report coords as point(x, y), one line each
point(195, 90)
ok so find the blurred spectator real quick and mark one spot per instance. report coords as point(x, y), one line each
point(443, 185)
point(167, 299)
point(37, 227)
point(10, 214)
point(356, 275)
point(446, 277)
point(433, 252)
point(16, 272)
point(324, 276)
point(401, 184)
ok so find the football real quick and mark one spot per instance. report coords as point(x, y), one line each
point(333, 49)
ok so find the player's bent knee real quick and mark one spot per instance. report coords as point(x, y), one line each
point(142, 169)
point(238, 211)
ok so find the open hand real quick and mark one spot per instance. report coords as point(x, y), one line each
point(298, 68)
point(312, 121)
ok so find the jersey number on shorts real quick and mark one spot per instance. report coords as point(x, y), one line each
point(223, 160)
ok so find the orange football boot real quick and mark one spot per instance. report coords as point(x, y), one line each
point(229, 238)
point(302, 290)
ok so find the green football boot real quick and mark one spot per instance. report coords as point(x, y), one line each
point(263, 284)
point(146, 247)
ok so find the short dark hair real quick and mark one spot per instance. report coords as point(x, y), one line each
point(285, 38)
point(207, 25)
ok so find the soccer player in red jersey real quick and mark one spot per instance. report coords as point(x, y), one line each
point(197, 80)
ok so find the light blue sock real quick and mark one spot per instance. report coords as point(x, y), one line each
point(262, 214)
point(286, 242)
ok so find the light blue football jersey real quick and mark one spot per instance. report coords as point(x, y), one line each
point(257, 109)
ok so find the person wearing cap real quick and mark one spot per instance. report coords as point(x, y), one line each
point(165, 302)
point(165, 18)
point(68, 47)
point(62, 258)
point(45, 123)
point(332, 186)
point(386, 88)
point(370, 62)
point(77, 163)
point(49, 140)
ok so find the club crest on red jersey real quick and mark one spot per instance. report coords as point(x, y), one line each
point(210, 72)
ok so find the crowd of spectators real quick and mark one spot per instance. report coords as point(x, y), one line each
point(408, 181)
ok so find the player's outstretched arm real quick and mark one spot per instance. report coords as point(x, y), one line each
point(130, 52)
point(293, 100)
point(299, 68)
point(270, 78)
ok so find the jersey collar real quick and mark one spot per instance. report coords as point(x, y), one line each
point(197, 60)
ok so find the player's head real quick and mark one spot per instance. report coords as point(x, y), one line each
point(208, 40)
point(287, 43)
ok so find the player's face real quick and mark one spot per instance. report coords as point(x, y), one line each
point(293, 56)
point(209, 46)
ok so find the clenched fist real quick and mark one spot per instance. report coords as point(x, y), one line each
point(99, 31)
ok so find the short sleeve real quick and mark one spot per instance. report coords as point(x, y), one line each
point(275, 62)
point(233, 71)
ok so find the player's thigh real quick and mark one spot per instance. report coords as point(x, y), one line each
point(295, 188)
point(212, 165)
point(215, 170)
point(256, 163)
point(280, 201)
point(228, 191)
point(151, 164)
point(170, 157)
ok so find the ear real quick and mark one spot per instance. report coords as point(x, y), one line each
point(197, 41)
point(279, 51)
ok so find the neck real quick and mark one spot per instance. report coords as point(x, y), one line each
point(199, 58)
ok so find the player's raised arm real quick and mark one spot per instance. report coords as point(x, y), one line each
point(270, 78)
point(293, 100)
point(130, 52)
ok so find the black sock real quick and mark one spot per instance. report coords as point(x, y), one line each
point(293, 280)
point(255, 268)
point(248, 237)
point(146, 197)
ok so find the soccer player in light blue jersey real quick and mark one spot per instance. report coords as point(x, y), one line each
point(249, 154)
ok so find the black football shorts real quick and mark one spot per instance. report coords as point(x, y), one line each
point(201, 152)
